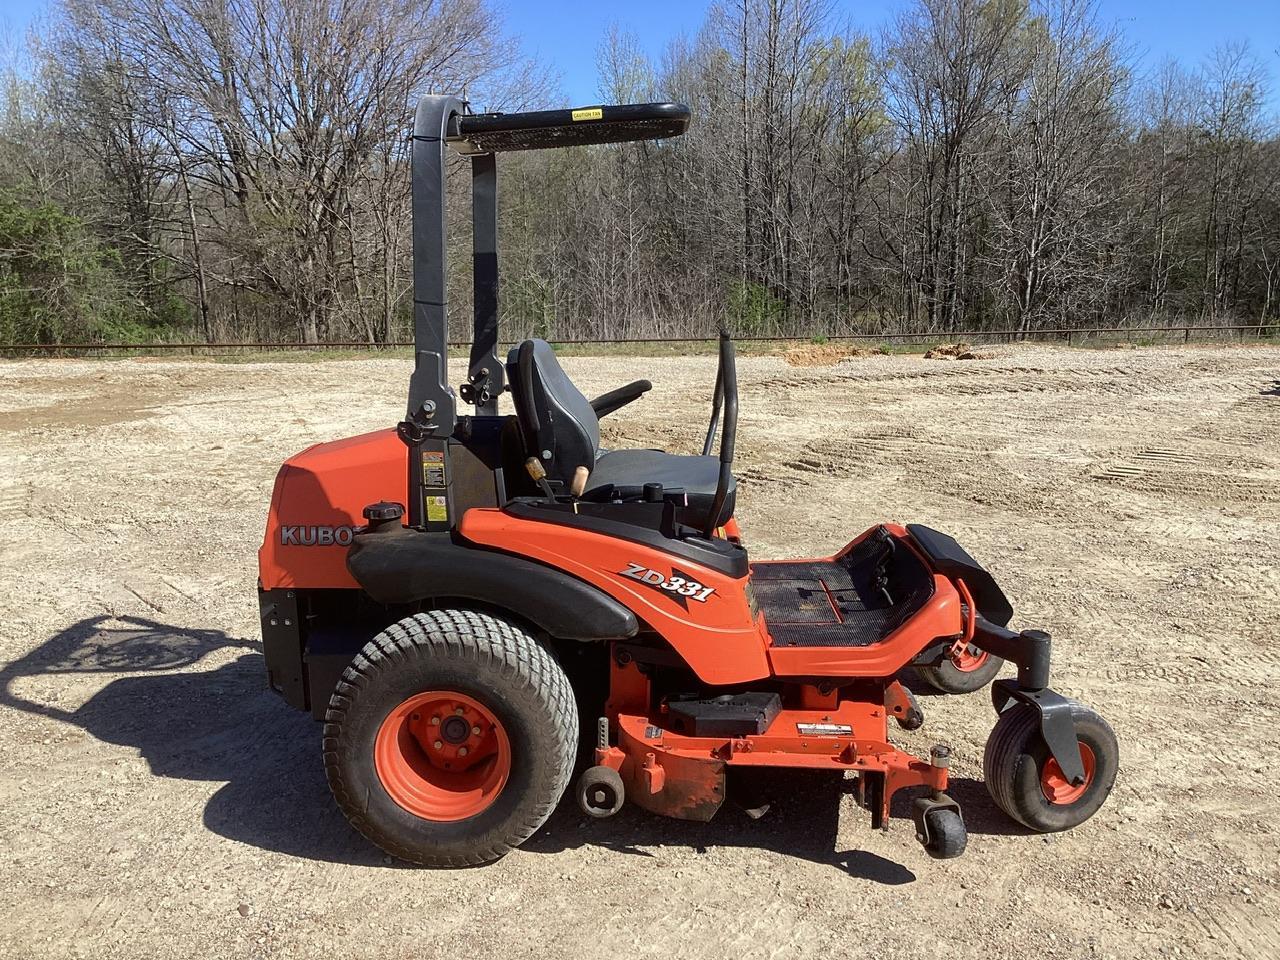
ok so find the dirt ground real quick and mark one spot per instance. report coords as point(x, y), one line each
point(158, 801)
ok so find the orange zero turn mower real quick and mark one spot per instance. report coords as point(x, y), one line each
point(471, 601)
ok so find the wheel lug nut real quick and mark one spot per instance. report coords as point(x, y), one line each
point(462, 751)
point(435, 721)
point(438, 745)
point(475, 731)
point(459, 711)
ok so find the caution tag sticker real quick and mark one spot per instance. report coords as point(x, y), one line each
point(437, 508)
point(591, 113)
point(433, 474)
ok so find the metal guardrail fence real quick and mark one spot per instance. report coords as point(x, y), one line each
point(1067, 334)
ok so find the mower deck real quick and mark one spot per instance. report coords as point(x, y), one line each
point(682, 776)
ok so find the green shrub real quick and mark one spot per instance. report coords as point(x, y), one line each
point(753, 310)
point(59, 283)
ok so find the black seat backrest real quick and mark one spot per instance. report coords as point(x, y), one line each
point(555, 418)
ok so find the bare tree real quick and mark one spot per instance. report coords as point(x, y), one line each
point(1054, 200)
point(950, 65)
point(1230, 133)
point(238, 168)
point(275, 115)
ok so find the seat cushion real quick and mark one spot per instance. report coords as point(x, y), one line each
point(697, 476)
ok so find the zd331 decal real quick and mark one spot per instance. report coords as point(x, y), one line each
point(681, 587)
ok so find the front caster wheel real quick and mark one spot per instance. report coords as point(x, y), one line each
point(964, 672)
point(1026, 782)
point(945, 835)
point(600, 792)
point(450, 738)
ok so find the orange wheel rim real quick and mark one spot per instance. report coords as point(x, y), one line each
point(969, 658)
point(442, 755)
point(1057, 788)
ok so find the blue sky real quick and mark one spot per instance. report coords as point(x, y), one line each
point(566, 32)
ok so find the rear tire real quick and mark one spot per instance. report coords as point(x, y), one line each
point(494, 672)
point(951, 676)
point(1025, 781)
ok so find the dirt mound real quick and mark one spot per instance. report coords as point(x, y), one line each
point(956, 351)
point(823, 354)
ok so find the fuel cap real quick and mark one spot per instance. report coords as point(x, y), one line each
point(383, 510)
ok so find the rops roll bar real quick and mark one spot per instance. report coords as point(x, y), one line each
point(726, 395)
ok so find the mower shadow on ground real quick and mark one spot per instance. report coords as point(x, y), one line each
point(219, 724)
point(912, 680)
point(802, 821)
point(222, 724)
point(981, 816)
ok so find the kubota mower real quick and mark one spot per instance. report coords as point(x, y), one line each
point(451, 595)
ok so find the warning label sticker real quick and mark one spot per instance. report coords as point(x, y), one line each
point(433, 474)
point(437, 508)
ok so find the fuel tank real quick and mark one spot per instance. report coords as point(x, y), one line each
point(317, 503)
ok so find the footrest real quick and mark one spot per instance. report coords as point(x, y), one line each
point(853, 600)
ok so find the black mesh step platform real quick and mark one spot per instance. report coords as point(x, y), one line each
point(854, 601)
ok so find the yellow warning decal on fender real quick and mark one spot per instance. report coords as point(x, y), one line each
point(594, 113)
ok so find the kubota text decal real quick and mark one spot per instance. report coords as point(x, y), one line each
point(316, 536)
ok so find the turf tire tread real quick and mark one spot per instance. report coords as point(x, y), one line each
point(489, 643)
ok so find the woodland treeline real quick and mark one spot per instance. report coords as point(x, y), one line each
point(237, 170)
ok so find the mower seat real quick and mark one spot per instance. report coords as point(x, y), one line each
point(556, 418)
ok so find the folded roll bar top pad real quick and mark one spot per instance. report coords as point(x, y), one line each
point(541, 129)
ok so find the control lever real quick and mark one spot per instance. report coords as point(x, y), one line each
point(539, 474)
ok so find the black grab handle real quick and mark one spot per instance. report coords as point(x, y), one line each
point(726, 393)
point(717, 398)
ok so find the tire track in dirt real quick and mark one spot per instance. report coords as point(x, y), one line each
point(1212, 460)
point(837, 457)
point(1250, 935)
point(13, 501)
point(979, 377)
